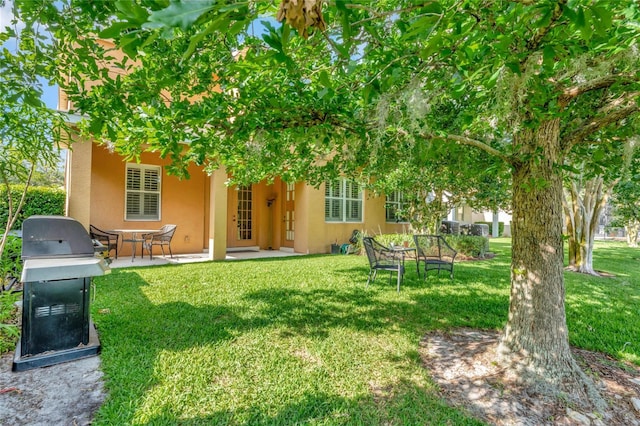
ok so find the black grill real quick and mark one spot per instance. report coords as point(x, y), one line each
point(59, 261)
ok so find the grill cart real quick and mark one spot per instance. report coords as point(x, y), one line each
point(59, 261)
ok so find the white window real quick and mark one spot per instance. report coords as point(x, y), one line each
point(395, 207)
point(142, 194)
point(342, 201)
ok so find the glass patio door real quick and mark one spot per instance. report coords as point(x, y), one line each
point(241, 232)
point(288, 214)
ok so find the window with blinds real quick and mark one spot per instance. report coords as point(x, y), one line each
point(342, 201)
point(396, 207)
point(142, 195)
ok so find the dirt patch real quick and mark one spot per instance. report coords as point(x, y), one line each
point(62, 394)
point(463, 364)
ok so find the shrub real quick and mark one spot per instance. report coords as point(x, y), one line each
point(40, 200)
point(397, 239)
point(10, 263)
point(469, 245)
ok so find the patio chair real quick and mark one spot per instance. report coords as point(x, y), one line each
point(160, 238)
point(109, 239)
point(382, 258)
point(435, 253)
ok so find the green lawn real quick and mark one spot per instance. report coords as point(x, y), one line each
point(300, 340)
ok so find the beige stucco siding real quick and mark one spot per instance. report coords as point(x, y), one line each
point(182, 201)
point(317, 235)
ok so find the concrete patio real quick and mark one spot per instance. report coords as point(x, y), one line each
point(127, 261)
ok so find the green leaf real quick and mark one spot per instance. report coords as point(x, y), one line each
point(95, 126)
point(580, 18)
point(237, 27)
point(132, 11)
point(324, 79)
point(286, 31)
point(514, 66)
point(601, 19)
point(586, 31)
point(273, 41)
point(432, 46)
point(322, 93)
point(114, 30)
point(215, 25)
point(182, 15)
point(598, 155)
point(420, 26)
point(548, 56)
point(494, 77)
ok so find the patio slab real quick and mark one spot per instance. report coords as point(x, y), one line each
point(126, 262)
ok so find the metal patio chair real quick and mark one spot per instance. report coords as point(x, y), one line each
point(382, 258)
point(109, 239)
point(435, 253)
point(161, 238)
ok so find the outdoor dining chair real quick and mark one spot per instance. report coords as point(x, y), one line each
point(382, 258)
point(160, 238)
point(109, 239)
point(435, 253)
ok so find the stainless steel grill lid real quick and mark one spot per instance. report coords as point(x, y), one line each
point(54, 236)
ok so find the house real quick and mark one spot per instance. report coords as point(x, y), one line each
point(465, 214)
point(110, 193)
point(106, 191)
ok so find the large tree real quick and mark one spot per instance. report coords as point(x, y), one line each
point(594, 172)
point(206, 83)
point(437, 178)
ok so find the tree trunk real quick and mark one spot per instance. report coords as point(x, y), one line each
point(583, 205)
point(632, 229)
point(535, 341)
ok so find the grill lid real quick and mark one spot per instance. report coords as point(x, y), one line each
point(54, 236)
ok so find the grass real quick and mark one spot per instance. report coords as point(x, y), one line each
point(300, 340)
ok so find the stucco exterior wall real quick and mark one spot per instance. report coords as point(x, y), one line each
point(182, 201)
point(317, 235)
point(78, 180)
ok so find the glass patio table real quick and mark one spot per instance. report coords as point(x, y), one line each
point(134, 237)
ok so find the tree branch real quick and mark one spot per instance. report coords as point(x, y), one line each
point(534, 42)
point(471, 142)
point(573, 92)
point(595, 124)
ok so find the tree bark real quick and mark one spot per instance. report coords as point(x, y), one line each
point(535, 341)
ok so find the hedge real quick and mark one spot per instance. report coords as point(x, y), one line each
point(10, 264)
point(40, 200)
point(467, 245)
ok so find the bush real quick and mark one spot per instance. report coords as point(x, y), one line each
point(469, 245)
point(40, 200)
point(10, 263)
point(500, 227)
point(397, 239)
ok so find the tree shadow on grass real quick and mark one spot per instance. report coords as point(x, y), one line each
point(404, 403)
point(134, 332)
